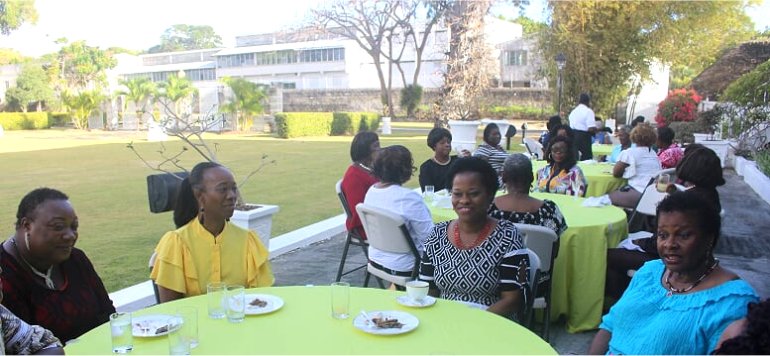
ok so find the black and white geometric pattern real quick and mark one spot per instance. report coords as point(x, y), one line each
point(548, 216)
point(477, 275)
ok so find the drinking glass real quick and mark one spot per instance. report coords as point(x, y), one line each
point(235, 297)
point(663, 181)
point(178, 344)
point(340, 300)
point(215, 293)
point(429, 190)
point(189, 329)
point(121, 332)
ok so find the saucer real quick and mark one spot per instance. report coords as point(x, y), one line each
point(409, 302)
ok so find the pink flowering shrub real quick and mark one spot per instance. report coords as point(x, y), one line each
point(679, 105)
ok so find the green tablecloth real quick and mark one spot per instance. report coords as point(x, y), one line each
point(601, 149)
point(598, 175)
point(579, 270)
point(304, 326)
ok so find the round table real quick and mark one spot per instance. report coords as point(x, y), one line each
point(304, 326)
point(579, 269)
point(598, 175)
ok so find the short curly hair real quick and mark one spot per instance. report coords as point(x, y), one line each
point(475, 165)
point(644, 135)
point(755, 339)
point(393, 164)
point(34, 199)
point(437, 134)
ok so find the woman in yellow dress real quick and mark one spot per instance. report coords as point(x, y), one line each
point(206, 247)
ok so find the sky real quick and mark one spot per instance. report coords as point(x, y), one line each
point(138, 24)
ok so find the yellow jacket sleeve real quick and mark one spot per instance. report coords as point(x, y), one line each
point(259, 273)
point(173, 267)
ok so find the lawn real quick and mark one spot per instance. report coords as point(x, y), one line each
point(107, 186)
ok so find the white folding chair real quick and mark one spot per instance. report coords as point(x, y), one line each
point(534, 148)
point(649, 200)
point(151, 263)
point(545, 243)
point(353, 238)
point(387, 232)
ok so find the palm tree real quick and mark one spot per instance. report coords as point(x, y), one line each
point(138, 90)
point(248, 101)
point(175, 89)
point(82, 105)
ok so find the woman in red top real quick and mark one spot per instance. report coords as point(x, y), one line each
point(358, 178)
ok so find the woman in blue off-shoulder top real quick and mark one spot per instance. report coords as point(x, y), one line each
point(681, 303)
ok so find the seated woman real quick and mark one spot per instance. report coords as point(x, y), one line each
point(490, 150)
point(358, 177)
point(602, 135)
point(46, 280)
point(553, 122)
point(625, 142)
point(681, 303)
point(637, 164)
point(669, 153)
point(433, 171)
point(477, 245)
point(561, 175)
point(699, 173)
point(517, 206)
point(206, 247)
point(393, 167)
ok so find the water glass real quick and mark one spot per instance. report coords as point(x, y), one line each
point(663, 181)
point(235, 297)
point(215, 293)
point(189, 329)
point(429, 190)
point(178, 344)
point(122, 334)
point(340, 300)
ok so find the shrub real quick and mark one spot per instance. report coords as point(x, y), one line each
point(763, 161)
point(59, 118)
point(24, 121)
point(349, 123)
point(512, 111)
point(751, 88)
point(297, 124)
point(679, 105)
point(411, 96)
point(684, 131)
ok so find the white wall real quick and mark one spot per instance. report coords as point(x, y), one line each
point(652, 93)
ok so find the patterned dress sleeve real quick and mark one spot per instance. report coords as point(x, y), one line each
point(514, 267)
point(21, 338)
point(426, 262)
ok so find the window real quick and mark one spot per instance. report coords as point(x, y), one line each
point(322, 55)
point(516, 58)
point(200, 74)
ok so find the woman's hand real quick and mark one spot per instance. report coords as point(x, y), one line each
point(601, 343)
point(619, 169)
point(509, 303)
point(167, 295)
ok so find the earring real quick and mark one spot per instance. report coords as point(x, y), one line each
point(26, 239)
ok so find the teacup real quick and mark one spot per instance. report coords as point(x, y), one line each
point(417, 290)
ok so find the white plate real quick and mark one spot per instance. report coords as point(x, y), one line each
point(409, 302)
point(273, 303)
point(148, 325)
point(410, 322)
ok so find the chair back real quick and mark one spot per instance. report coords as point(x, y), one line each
point(542, 241)
point(648, 203)
point(385, 230)
point(534, 148)
point(342, 198)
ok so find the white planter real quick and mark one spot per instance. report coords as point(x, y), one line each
point(259, 220)
point(700, 137)
point(741, 163)
point(463, 134)
point(386, 129)
point(502, 124)
point(757, 181)
point(719, 147)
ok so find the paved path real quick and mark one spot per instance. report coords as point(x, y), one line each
point(744, 247)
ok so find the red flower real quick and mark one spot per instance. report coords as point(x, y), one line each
point(679, 105)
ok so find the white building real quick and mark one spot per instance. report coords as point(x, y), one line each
point(8, 75)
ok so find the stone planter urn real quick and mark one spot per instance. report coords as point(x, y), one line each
point(720, 147)
point(258, 219)
point(464, 134)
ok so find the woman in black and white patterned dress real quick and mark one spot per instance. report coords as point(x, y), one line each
point(476, 259)
point(517, 206)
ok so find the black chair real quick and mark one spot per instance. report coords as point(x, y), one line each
point(353, 238)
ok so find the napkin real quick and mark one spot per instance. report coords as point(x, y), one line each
point(628, 243)
point(589, 161)
point(596, 202)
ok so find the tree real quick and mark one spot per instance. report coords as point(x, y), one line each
point(14, 13)
point(528, 25)
point(31, 87)
point(469, 66)
point(174, 91)
point(608, 42)
point(248, 101)
point(10, 56)
point(183, 37)
point(139, 91)
point(82, 105)
point(78, 66)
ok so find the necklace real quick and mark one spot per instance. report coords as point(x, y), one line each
point(441, 163)
point(672, 290)
point(364, 167)
point(46, 276)
point(482, 235)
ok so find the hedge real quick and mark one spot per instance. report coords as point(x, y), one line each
point(24, 121)
point(59, 119)
point(350, 123)
point(296, 124)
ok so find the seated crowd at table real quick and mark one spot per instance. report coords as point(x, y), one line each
point(680, 299)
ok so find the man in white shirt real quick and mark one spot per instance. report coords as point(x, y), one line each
point(582, 121)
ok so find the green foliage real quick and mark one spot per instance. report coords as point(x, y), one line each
point(528, 25)
point(512, 111)
point(14, 13)
point(139, 91)
point(82, 105)
point(58, 118)
point(411, 96)
point(24, 121)
point(183, 37)
point(297, 124)
point(248, 101)
point(763, 161)
point(751, 89)
point(10, 56)
point(684, 130)
point(79, 65)
point(31, 86)
point(174, 90)
point(679, 105)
